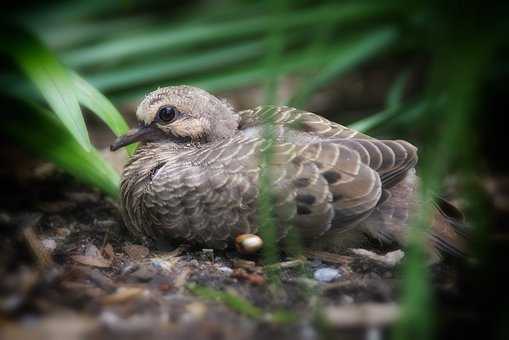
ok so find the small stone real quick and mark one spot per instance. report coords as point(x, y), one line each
point(226, 270)
point(326, 274)
point(92, 251)
point(49, 244)
point(347, 300)
point(162, 265)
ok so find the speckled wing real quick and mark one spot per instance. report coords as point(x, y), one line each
point(390, 158)
point(210, 195)
point(298, 120)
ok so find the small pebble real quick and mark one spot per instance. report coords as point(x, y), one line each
point(49, 244)
point(347, 300)
point(226, 270)
point(326, 274)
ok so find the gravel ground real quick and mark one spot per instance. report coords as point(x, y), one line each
point(72, 272)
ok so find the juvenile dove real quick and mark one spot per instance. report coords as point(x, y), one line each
point(195, 175)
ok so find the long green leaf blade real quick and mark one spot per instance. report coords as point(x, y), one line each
point(347, 55)
point(96, 102)
point(46, 136)
point(55, 85)
point(166, 38)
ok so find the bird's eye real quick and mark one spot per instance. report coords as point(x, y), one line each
point(167, 114)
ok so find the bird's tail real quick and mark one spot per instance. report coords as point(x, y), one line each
point(448, 231)
point(392, 220)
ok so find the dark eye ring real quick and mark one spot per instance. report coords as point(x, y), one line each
point(167, 114)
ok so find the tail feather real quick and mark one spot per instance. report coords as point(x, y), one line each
point(392, 218)
point(448, 231)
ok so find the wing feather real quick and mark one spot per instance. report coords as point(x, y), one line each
point(214, 198)
point(391, 159)
point(296, 119)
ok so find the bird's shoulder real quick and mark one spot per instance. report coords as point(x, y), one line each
point(296, 119)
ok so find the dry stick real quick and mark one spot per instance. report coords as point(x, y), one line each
point(286, 264)
point(327, 257)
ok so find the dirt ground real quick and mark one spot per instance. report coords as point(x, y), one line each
point(70, 271)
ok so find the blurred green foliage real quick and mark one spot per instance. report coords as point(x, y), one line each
point(124, 49)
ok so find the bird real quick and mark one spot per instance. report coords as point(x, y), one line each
point(197, 175)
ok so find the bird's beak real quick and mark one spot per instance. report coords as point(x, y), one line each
point(139, 134)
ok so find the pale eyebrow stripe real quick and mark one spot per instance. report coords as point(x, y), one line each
point(156, 100)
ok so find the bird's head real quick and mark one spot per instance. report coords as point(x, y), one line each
point(181, 114)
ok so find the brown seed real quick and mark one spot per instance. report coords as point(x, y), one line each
point(248, 243)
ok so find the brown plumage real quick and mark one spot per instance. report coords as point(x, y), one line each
point(195, 176)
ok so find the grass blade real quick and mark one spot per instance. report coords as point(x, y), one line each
point(396, 92)
point(393, 107)
point(96, 102)
point(173, 67)
point(55, 85)
point(149, 41)
point(347, 55)
point(46, 136)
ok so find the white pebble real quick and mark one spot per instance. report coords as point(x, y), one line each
point(326, 274)
point(49, 244)
point(226, 270)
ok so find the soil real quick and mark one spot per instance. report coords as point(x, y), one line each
point(72, 271)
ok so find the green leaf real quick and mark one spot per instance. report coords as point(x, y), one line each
point(46, 136)
point(395, 96)
point(55, 85)
point(403, 115)
point(96, 102)
point(153, 39)
point(346, 55)
point(368, 123)
point(167, 68)
point(243, 76)
point(393, 107)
